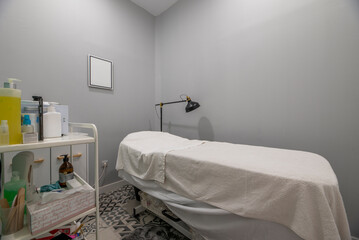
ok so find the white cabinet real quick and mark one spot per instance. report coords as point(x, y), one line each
point(47, 162)
point(40, 166)
point(79, 160)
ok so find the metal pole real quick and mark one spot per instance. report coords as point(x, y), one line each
point(161, 117)
point(41, 116)
point(97, 190)
point(161, 105)
point(97, 185)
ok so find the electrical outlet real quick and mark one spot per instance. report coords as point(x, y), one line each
point(104, 163)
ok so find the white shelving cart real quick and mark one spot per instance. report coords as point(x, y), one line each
point(72, 139)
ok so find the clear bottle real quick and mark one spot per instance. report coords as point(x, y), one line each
point(4, 133)
point(12, 187)
point(66, 171)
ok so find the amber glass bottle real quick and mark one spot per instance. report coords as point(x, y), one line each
point(66, 171)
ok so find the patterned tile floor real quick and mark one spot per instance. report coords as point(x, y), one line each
point(116, 223)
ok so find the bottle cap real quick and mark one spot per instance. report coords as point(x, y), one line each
point(27, 120)
point(51, 108)
point(66, 158)
point(10, 83)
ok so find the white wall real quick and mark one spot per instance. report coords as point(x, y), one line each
point(46, 43)
point(278, 73)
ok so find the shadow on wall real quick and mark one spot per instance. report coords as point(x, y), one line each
point(205, 129)
point(171, 125)
point(104, 91)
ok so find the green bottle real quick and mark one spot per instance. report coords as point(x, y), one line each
point(12, 187)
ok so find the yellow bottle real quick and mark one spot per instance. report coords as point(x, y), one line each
point(10, 110)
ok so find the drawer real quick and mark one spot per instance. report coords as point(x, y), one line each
point(41, 166)
point(80, 161)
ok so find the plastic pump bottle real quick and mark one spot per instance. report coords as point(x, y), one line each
point(12, 187)
point(10, 109)
point(26, 125)
point(52, 122)
point(4, 133)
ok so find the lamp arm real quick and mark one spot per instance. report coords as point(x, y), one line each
point(161, 104)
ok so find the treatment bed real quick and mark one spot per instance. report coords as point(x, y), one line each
point(232, 191)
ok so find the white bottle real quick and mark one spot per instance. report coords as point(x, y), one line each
point(4, 133)
point(52, 122)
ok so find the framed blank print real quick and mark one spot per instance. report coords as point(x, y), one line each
point(100, 73)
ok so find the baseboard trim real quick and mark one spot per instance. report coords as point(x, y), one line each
point(355, 238)
point(112, 186)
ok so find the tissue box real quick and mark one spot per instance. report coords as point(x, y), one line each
point(41, 217)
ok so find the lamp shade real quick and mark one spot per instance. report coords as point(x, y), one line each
point(191, 105)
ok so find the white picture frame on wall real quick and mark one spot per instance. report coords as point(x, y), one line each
point(100, 73)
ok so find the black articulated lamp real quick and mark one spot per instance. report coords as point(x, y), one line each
point(191, 105)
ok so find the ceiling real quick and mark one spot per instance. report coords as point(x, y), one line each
point(155, 7)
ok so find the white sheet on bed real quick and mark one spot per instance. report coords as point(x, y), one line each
point(143, 154)
point(210, 222)
point(293, 188)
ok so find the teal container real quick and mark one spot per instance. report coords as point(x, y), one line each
point(12, 187)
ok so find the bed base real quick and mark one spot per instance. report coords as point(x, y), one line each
point(158, 208)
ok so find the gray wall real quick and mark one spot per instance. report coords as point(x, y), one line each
point(278, 73)
point(46, 43)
